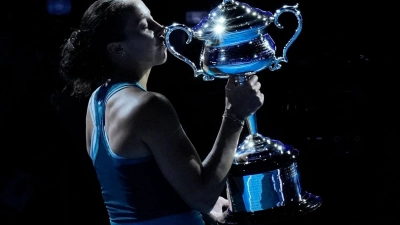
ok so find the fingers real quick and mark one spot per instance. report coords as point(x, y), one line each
point(253, 83)
point(243, 100)
point(253, 80)
point(224, 201)
point(230, 83)
point(257, 86)
point(261, 98)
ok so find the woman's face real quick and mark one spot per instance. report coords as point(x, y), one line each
point(144, 41)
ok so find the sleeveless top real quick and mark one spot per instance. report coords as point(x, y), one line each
point(134, 190)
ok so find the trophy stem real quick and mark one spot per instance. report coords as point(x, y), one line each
point(251, 122)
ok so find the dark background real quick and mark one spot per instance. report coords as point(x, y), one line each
point(335, 101)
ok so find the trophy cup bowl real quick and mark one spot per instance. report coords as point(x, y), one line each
point(263, 184)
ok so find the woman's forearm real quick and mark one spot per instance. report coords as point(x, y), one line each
point(218, 162)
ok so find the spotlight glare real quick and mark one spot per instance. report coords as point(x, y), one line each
point(219, 29)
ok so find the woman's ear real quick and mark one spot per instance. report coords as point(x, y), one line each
point(115, 48)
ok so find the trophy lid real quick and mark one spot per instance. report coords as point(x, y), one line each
point(231, 17)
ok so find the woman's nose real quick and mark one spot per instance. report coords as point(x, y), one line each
point(160, 29)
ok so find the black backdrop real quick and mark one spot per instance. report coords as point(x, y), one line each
point(335, 101)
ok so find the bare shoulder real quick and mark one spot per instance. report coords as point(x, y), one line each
point(157, 110)
point(135, 117)
point(156, 104)
point(144, 103)
point(144, 109)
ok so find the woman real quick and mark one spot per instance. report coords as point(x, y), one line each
point(149, 171)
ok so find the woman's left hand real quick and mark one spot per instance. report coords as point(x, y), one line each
point(217, 213)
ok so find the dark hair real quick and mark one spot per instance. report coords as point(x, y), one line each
point(84, 63)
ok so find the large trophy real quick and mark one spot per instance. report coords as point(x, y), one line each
point(263, 184)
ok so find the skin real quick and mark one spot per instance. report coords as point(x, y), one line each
point(140, 124)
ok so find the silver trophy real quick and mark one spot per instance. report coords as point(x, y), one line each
point(263, 183)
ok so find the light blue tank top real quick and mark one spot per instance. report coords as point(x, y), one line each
point(134, 190)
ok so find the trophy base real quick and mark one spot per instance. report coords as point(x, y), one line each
point(308, 204)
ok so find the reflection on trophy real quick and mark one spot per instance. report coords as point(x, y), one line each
point(263, 184)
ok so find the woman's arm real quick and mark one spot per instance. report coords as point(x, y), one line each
point(217, 213)
point(198, 183)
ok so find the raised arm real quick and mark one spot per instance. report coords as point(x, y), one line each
point(198, 183)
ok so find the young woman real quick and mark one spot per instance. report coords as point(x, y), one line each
point(148, 169)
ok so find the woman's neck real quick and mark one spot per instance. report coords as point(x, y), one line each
point(140, 77)
point(143, 81)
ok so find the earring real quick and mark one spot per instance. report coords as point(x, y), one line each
point(123, 54)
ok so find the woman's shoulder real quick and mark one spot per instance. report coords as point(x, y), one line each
point(132, 103)
point(146, 98)
point(156, 104)
point(145, 111)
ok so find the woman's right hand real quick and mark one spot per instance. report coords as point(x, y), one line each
point(245, 99)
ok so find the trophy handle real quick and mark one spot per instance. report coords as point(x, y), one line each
point(293, 9)
point(171, 49)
